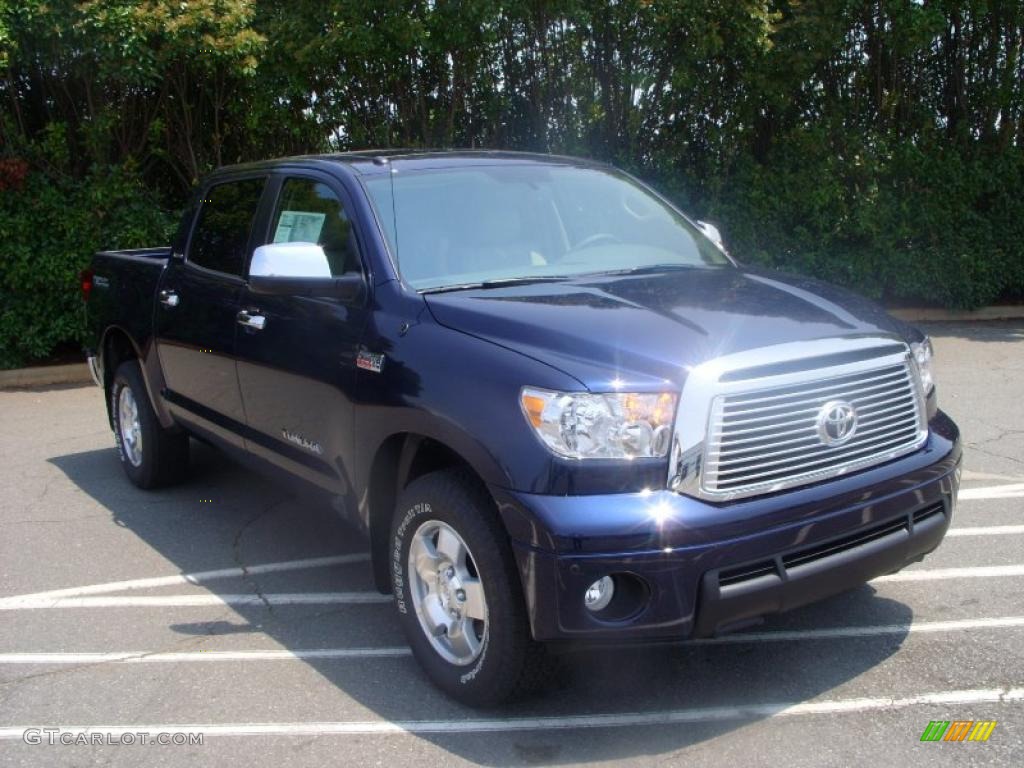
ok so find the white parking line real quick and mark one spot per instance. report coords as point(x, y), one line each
point(189, 657)
point(870, 630)
point(941, 574)
point(1012, 491)
point(58, 598)
point(987, 530)
point(201, 657)
point(1008, 695)
point(192, 601)
point(34, 602)
point(202, 576)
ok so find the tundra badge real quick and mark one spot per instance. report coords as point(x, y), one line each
point(301, 441)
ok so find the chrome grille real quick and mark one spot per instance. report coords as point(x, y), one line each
point(768, 438)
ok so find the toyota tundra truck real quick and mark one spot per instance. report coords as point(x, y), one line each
point(556, 406)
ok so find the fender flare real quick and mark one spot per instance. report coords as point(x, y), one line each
point(150, 367)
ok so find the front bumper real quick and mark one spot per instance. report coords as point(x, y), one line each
point(703, 568)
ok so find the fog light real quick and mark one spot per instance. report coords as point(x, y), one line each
point(599, 594)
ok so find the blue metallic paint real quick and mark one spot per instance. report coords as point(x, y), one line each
point(670, 541)
point(455, 364)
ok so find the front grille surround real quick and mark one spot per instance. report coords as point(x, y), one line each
point(746, 423)
point(744, 453)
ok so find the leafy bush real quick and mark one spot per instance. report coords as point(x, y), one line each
point(875, 144)
point(906, 226)
point(49, 229)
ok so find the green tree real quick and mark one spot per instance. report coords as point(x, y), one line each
point(875, 143)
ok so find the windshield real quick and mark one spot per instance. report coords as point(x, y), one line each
point(465, 226)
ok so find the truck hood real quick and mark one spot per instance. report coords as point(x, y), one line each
point(647, 330)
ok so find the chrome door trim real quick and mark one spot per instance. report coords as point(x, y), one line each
point(169, 298)
point(250, 319)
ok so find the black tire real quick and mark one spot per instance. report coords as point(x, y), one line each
point(164, 453)
point(510, 662)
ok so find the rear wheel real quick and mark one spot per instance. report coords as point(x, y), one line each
point(150, 455)
point(458, 592)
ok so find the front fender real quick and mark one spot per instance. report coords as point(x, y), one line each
point(461, 392)
point(464, 392)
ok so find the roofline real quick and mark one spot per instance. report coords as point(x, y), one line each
point(368, 158)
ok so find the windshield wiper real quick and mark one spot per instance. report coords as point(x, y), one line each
point(648, 269)
point(498, 283)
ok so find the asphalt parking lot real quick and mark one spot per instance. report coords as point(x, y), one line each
point(229, 607)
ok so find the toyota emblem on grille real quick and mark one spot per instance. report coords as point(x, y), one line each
point(837, 421)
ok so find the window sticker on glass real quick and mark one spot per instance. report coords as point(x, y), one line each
point(299, 227)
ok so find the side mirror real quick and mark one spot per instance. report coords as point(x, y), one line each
point(710, 231)
point(300, 269)
point(289, 260)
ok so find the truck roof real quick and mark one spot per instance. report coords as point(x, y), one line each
point(376, 161)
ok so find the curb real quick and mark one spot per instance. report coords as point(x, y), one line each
point(997, 312)
point(45, 375)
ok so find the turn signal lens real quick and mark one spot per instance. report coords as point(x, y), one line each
point(923, 355)
point(534, 407)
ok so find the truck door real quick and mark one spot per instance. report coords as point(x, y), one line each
point(197, 310)
point(297, 365)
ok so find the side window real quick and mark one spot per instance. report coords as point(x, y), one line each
point(221, 235)
point(309, 212)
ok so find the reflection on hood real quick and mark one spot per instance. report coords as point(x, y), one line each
point(651, 328)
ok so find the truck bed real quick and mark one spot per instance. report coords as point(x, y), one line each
point(124, 291)
point(145, 254)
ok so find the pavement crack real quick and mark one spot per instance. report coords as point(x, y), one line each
point(176, 645)
point(996, 454)
point(34, 521)
point(236, 549)
point(46, 489)
point(14, 682)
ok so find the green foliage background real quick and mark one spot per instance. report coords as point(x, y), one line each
point(874, 143)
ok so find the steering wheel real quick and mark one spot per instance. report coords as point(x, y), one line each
point(594, 239)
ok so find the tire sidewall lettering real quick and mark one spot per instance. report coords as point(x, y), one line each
point(468, 677)
point(398, 546)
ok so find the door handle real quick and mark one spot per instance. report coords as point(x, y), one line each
point(169, 298)
point(251, 320)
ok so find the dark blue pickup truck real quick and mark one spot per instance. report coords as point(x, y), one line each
point(559, 409)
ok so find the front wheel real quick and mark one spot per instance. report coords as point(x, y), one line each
point(151, 455)
point(458, 592)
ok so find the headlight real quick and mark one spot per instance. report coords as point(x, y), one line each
point(601, 426)
point(923, 355)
